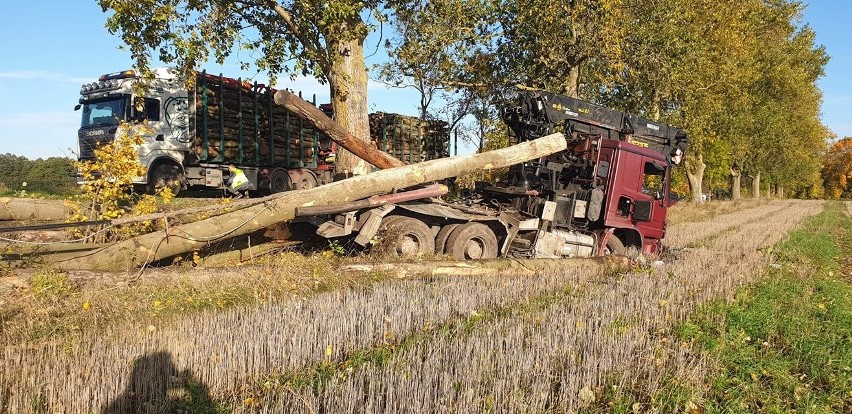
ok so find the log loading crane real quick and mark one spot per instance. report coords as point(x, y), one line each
point(606, 193)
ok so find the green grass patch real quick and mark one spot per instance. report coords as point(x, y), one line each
point(785, 344)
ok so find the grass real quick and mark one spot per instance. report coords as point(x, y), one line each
point(785, 343)
point(58, 305)
point(694, 212)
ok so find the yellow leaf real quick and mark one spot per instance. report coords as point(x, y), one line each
point(328, 350)
point(86, 305)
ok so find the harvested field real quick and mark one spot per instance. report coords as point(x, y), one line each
point(552, 342)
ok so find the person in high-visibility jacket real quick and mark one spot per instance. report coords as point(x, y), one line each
point(238, 183)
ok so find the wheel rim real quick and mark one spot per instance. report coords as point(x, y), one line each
point(409, 245)
point(474, 248)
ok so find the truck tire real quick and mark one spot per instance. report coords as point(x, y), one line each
point(166, 175)
point(471, 241)
point(304, 180)
point(280, 182)
point(614, 246)
point(406, 237)
point(443, 235)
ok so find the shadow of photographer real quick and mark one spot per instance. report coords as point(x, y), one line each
point(156, 386)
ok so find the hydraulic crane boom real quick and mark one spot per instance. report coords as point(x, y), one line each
point(540, 113)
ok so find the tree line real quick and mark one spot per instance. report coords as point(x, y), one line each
point(739, 75)
point(53, 175)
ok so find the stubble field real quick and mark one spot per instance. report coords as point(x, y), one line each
point(558, 341)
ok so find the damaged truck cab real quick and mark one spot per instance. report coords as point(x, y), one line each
point(607, 193)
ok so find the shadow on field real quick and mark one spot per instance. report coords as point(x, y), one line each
point(155, 385)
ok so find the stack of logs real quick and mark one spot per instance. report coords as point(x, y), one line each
point(232, 112)
point(408, 138)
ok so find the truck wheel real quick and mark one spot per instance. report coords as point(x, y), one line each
point(443, 235)
point(472, 241)
point(304, 180)
point(279, 182)
point(406, 237)
point(166, 176)
point(614, 246)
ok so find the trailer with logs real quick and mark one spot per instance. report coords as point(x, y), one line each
point(606, 192)
point(192, 133)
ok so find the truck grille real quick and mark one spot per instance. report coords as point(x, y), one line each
point(88, 143)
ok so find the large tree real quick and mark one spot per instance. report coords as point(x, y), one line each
point(837, 169)
point(319, 38)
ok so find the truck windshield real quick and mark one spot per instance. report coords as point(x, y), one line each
point(104, 112)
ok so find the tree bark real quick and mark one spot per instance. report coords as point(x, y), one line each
point(281, 207)
point(755, 185)
point(514, 266)
point(695, 175)
point(19, 209)
point(248, 254)
point(348, 84)
point(736, 176)
point(361, 147)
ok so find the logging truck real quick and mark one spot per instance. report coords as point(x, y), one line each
point(607, 193)
point(194, 132)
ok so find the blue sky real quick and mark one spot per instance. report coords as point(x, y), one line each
point(47, 50)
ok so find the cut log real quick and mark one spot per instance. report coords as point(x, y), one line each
point(282, 206)
point(353, 144)
point(514, 267)
point(248, 254)
point(20, 209)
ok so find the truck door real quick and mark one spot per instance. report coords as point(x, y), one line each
point(649, 210)
point(167, 118)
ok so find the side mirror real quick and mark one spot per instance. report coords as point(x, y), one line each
point(77, 107)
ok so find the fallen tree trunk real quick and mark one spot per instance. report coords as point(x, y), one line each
point(248, 254)
point(281, 207)
point(20, 209)
point(327, 125)
point(514, 267)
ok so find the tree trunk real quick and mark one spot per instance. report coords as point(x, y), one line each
point(281, 207)
point(780, 191)
point(28, 209)
point(571, 88)
point(755, 185)
point(348, 85)
point(515, 266)
point(360, 147)
point(695, 174)
point(736, 176)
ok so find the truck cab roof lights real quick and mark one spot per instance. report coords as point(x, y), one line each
point(99, 86)
point(130, 73)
